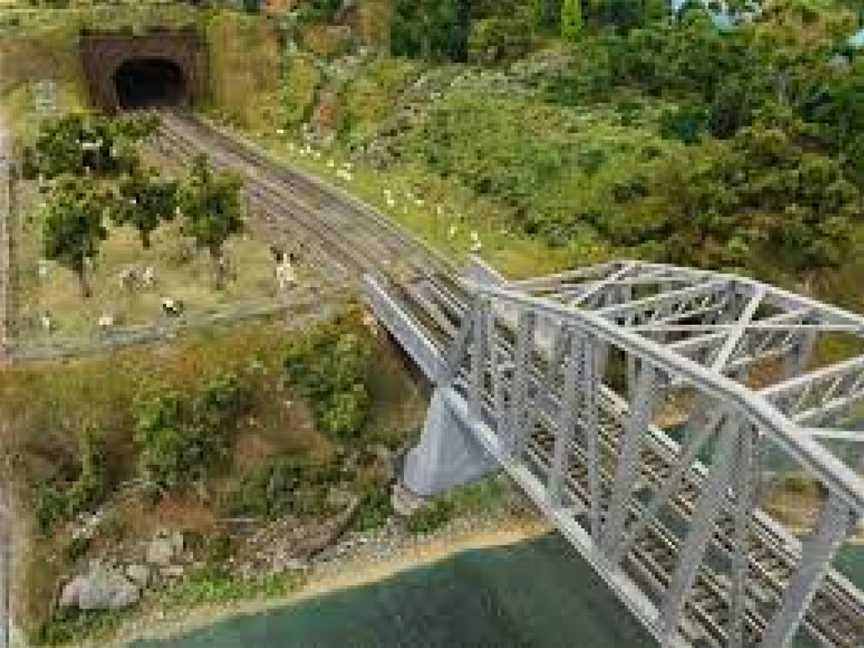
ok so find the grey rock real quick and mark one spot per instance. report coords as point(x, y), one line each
point(160, 552)
point(173, 571)
point(101, 589)
point(139, 574)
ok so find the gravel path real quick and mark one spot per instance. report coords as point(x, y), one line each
point(5, 531)
point(5, 242)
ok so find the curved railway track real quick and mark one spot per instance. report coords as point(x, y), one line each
point(347, 239)
point(345, 235)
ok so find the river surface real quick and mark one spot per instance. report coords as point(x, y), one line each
point(535, 594)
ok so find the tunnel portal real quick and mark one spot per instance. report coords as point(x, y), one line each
point(148, 83)
point(158, 69)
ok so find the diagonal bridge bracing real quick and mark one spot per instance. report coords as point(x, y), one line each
point(650, 411)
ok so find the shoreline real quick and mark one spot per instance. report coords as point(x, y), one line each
point(358, 569)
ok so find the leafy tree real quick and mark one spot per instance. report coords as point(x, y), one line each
point(79, 143)
point(212, 210)
point(494, 40)
point(145, 200)
point(571, 19)
point(758, 197)
point(73, 228)
point(431, 29)
point(547, 13)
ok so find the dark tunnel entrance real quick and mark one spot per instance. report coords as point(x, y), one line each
point(150, 82)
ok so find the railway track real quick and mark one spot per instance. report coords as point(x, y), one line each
point(344, 236)
point(348, 239)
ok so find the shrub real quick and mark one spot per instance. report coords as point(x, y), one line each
point(684, 124)
point(498, 39)
point(284, 485)
point(431, 517)
point(301, 80)
point(58, 502)
point(375, 509)
point(329, 368)
point(181, 438)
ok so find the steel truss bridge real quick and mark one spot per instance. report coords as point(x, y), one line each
point(650, 411)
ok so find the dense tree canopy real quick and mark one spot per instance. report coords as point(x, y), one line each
point(212, 210)
point(145, 200)
point(74, 228)
point(80, 143)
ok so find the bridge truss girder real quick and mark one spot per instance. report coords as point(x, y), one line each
point(571, 381)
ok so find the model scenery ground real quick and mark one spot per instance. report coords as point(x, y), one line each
point(535, 147)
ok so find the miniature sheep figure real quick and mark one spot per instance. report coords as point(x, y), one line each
point(172, 307)
point(47, 322)
point(148, 277)
point(286, 276)
point(106, 321)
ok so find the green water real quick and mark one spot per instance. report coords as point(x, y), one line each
point(537, 594)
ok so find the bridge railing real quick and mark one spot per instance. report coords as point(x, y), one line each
point(657, 462)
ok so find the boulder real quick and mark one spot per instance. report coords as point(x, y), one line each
point(101, 589)
point(139, 574)
point(174, 571)
point(160, 552)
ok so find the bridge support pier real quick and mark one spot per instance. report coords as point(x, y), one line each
point(448, 454)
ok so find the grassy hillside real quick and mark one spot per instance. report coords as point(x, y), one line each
point(48, 408)
point(625, 140)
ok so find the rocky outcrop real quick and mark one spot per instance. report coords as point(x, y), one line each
point(102, 588)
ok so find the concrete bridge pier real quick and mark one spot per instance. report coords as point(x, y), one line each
point(448, 454)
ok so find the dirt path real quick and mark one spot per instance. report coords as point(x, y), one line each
point(5, 517)
point(5, 241)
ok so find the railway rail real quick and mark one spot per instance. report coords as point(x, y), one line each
point(349, 240)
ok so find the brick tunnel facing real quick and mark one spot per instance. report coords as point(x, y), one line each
point(150, 82)
point(163, 68)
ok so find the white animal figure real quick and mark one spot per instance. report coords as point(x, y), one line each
point(129, 278)
point(106, 321)
point(453, 231)
point(476, 244)
point(172, 307)
point(286, 275)
point(43, 269)
point(47, 322)
point(148, 277)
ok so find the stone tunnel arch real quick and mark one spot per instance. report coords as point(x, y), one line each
point(150, 82)
point(161, 68)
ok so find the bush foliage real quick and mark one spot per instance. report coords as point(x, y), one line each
point(80, 143)
point(182, 437)
point(59, 501)
point(329, 367)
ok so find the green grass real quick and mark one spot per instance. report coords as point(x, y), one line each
point(214, 585)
